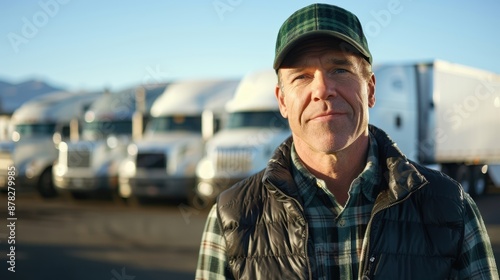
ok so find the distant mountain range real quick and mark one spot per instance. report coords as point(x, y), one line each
point(12, 96)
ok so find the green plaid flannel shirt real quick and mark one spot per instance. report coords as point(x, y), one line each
point(336, 232)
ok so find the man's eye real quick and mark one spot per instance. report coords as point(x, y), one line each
point(299, 77)
point(339, 71)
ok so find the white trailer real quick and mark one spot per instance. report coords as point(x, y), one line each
point(444, 115)
point(243, 147)
point(162, 164)
point(32, 150)
point(89, 165)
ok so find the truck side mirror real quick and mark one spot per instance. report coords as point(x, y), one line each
point(138, 116)
point(74, 130)
point(207, 124)
point(137, 125)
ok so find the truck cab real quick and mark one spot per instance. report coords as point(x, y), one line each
point(32, 149)
point(89, 164)
point(162, 164)
point(243, 147)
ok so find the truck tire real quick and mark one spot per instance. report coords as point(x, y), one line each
point(46, 185)
point(479, 181)
point(472, 179)
point(464, 176)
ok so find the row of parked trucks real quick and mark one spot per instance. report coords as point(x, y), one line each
point(191, 139)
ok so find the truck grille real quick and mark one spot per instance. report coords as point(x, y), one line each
point(151, 160)
point(78, 158)
point(234, 160)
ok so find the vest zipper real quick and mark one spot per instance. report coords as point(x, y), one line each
point(365, 271)
point(369, 271)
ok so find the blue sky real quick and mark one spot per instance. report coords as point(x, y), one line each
point(90, 44)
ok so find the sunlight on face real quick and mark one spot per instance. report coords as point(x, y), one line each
point(325, 94)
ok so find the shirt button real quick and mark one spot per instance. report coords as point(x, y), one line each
point(341, 222)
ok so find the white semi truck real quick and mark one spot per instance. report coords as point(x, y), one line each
point(254, 129)
point(162, 164)
point(32, 150)
point(89, 165)
point(445, 115)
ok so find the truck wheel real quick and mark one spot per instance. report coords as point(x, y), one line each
point(472, 179)
point(464, 177)
point(479, 181)
point(46, 185)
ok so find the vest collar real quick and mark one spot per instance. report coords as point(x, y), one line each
point(400, 175)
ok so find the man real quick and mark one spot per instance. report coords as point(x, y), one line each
point(338, 200)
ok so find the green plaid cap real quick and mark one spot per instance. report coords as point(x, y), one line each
point(320, 19)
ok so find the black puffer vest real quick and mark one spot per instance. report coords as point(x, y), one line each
point(415, 231)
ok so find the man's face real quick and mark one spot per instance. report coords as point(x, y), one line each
point(325, 95)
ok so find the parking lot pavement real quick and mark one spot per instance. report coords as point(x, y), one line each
point(59, 239)
point(66, 239)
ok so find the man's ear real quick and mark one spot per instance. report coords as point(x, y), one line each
point(281, 101)
point(371, 91)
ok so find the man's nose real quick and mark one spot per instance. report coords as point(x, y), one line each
point(322, 87)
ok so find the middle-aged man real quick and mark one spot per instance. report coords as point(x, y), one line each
point(338, 200)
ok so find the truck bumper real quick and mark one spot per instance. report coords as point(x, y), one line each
point(159, 187)
point(209, 189)
point(86, 184)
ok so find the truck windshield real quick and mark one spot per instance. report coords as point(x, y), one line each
point(27, 130)
point(263, 119)
point(102, 129)
point(175, 123)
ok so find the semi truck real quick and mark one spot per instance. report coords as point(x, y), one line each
point(254, 129)
point(88, 166)
point(444, 115)
point(32, 149)
point(13, 96)
point(162, 164)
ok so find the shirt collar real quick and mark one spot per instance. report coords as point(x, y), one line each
point(308, 184)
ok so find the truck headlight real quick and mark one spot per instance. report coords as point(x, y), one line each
point(112, 142)
point(60, 170)
point(129, 168)
point(205, 189)
point(132, 149)
point(205, 169)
